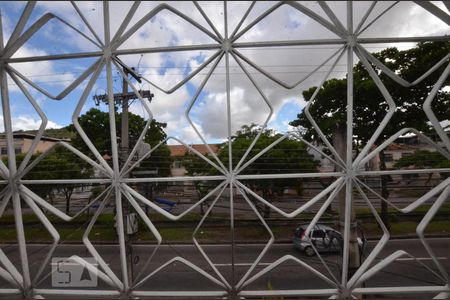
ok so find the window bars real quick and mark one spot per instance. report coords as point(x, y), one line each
point(227, 46)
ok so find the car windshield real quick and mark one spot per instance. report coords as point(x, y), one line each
point(299, 231)
point(324, 227)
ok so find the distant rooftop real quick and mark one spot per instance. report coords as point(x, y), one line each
point(181, 150)
point(29, 136)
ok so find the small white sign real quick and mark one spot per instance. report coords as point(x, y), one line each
point(74, 272)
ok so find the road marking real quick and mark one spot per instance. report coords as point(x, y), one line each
point(71, 264)
point(418, 258)
point(241, 265)
point(413, 239)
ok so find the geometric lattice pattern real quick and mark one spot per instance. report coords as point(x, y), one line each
point(226, 47)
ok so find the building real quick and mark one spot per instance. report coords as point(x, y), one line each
point(177, 153)
point(23, 142)
point(325, 165)
point(402, 147)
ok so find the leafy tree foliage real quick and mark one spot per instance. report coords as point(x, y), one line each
point(369, 107)
point(196, 166)
point(288, 156)
point(59, 164)
point(57, 133)
point(424, 159)
point(96, 125)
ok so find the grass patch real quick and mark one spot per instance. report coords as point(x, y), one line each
point(408, 228)
point(104, 229)
point(423, 209)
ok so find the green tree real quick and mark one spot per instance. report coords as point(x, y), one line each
point(159, 164)
point(59, 164)
point(41, 172)
point(95, 124)
point(289, 156)
point(196, 166)
point(64, 164)
point(369, 108)
point(424, 159)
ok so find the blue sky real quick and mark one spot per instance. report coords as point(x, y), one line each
point(167, 69)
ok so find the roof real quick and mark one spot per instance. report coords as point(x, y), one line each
point(32, 136)
point(400, 147)
point(393, 147)
point(180, 150)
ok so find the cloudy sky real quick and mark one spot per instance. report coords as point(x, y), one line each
point(166, 69)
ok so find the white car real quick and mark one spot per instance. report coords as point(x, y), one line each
point(323, 237)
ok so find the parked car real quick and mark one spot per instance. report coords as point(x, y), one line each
point(324, 238)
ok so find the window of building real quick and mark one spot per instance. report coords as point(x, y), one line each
point(4, 150)
point(388, 157)
point(177, 164)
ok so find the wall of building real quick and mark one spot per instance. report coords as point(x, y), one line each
point(23, 145)
point(18, 146)
point(42, 146)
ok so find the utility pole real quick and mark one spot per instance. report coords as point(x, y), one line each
point(339, 143)
point(124, 144)
point(123, 99)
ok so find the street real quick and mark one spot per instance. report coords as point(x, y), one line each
point(289, 275)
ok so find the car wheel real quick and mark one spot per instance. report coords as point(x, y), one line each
point(309, 251)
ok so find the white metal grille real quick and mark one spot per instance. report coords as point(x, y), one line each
point(226, 47)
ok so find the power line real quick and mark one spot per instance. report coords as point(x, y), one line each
point(189, 67)
point(199, 74)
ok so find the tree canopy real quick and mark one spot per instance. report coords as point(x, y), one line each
point(369, 108)
point(58, 164)
point(96, 125)
point(424, 159)
point(288, 156)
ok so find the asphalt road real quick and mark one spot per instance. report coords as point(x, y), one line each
point(289, 275)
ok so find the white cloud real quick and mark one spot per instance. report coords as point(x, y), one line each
point(406, 19)
point(189, 135)
point(26, 122)
point(209, 112)
point(41, 72)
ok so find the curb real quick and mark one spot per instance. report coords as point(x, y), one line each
point(241, 242)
